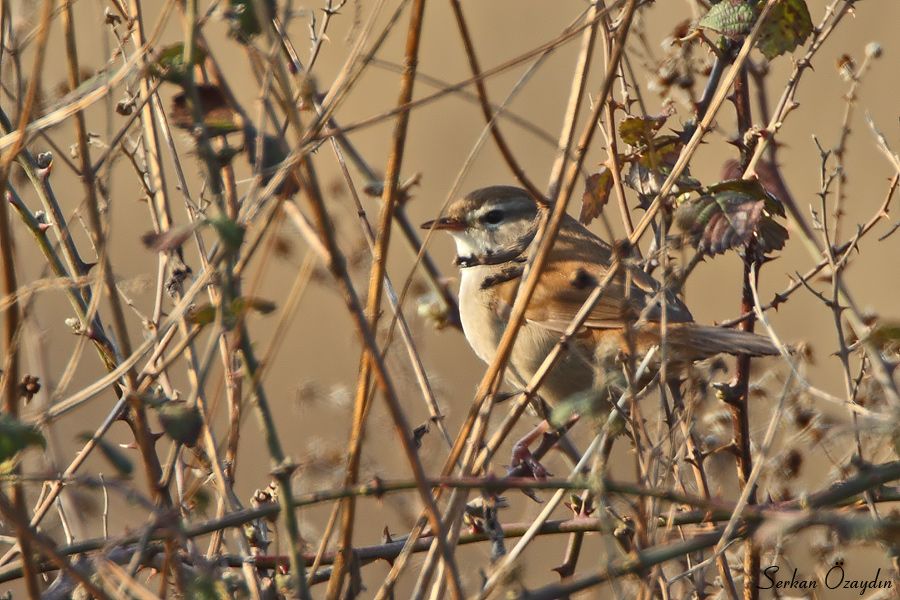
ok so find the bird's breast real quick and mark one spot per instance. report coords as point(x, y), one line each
point(482, 323)
point(484, 317)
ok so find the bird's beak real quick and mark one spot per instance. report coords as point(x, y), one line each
point(445, 223)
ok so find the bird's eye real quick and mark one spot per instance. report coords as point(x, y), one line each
point(492, 217)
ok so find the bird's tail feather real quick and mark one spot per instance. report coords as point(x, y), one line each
point(703, 341)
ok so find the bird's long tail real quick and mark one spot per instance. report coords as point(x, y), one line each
point(703, 341)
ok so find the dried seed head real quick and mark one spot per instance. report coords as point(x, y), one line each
point(846, 67)
point(111, 18)
point(874, 50)
point(29, 386)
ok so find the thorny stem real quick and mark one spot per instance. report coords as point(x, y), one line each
point(738, 395)
point(337, 266)
point(543, 247)
point(785, 105)
point(28, 539)
point(453, 88)
point(283, 469)
point(550, 222)
point(9, 379)
point(390, 199)
point(122, 367)
point(486, 106)
point(843, 494)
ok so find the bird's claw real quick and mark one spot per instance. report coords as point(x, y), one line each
point(524, 459)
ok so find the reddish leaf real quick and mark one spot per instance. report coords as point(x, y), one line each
point(729, 214)
point(218, 116)
point(765, 173)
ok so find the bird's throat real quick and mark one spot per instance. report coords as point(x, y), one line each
point(471, 255)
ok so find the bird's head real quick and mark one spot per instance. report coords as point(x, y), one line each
point(489, 222)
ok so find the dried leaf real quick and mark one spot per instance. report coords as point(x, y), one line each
point(765, 173)
point(596, 194)
point(653, 165)
point(770, 234)
point(639, 131)
point(731, 18)
point(787, 26)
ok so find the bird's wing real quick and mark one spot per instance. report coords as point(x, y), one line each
point(578, 262)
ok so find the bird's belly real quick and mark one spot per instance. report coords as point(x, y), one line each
point(572, 373)
point(483, 327)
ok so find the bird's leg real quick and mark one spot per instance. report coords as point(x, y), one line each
point(522, 457)
point(526, 463)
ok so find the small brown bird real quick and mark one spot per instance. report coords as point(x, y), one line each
point(494, 228)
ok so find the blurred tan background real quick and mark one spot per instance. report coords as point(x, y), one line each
point(312, 383)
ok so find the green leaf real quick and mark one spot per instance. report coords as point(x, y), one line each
point(204, 587)
point(770, 234)
point(240, 306)
point(181, 421)
point(639, 131)
point(113, 454)
point(787, 26)
point(170, 66)
point(202, 315)
point(200, 501)
point(274, 152)
point(242, 20)
point(596, 194)
point(231, 234)
point(205, 314)
point(729, 214)
point(731, 18)
point(15, 436)
point(593, 402)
